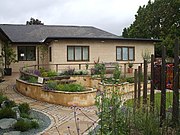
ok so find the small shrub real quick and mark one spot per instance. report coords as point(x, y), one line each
point(10, 103)
point(37, 72)
point(24, 108)
point(34, 124)
point(69, 71)
point(7, 113)
point(32, 79)
point(51, 85)
point(117, 72)
point(25, 125)
point(51, 73)
point(44, 74)
point(70, 87)
point(130, 79)
point(2, 98)
point(25, 115)
point(21, 125)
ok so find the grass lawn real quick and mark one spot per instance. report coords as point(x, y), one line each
point(169, 100)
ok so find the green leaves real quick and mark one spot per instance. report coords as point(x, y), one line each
point(159, 19)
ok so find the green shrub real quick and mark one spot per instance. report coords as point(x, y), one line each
point(34, 124)
point(24, 108)
point(25, 125)
point(51, 73)
point(44, 74)
point(25, 115)
point(22, 125)
point(10, 103)
point(51, 85)
point(2, 98)
point(32, 79)
point(7, 113)
point(130, 79)
point(70, 87)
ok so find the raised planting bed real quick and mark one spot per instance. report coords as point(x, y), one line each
point(35, 91)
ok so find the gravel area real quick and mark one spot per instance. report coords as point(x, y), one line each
point(44, 122)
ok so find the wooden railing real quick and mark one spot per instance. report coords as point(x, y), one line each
point(82, 66)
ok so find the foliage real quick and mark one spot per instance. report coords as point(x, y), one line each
point(25, 125)
point(117, 73)
point(130, 64)
point(7, 113)
point(2, 98)
point(81, 72)
point(129, 79)
point(69, 71)
point(34, 22)
point(32, 79)
point(157, 20)
point(9, 54)
point(24, 108)
point(70, 87)
point(50, 85)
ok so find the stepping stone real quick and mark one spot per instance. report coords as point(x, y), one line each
point(12, 133)
point(7, 123)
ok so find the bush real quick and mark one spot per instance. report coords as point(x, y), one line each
point(2, 98)
point(70, 87)
point(7, 113)
point(51, 73)
point(25, 125)
point(24, 108)
point(32, 79)
point(130, 79)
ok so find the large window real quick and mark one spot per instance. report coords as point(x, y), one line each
point(124, 53)
point(26, 53)
point(78, 53)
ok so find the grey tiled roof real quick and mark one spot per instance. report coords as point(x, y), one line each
point(38, 33)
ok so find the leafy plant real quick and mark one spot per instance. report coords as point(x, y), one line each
point(32, 79)
point(7, 113)
point(25, 125)
point(51, 73)
point(70, 87)
point(9, 54)
point(130, 64)
point(117, 73)
point(24, 108)
point(2, 98)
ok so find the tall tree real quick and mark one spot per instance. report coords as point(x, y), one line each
point(158, 20)
point(34, 22)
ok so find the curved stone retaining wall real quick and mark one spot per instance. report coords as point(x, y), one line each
point(35, 91)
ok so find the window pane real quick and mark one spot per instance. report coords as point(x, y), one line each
point(70, 53)
point(125, 53)
point(21, 53)
point(31, 53)
point(131, 53)
point(85, 53)
point(118, 53)
point(77, 53)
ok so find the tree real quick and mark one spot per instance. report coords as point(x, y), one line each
point(158, 20)
point(34, 22)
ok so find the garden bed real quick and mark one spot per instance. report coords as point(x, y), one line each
point(35, 91)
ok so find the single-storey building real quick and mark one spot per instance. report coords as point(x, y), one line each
point(70, 44)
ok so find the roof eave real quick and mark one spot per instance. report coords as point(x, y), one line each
point(49, 39)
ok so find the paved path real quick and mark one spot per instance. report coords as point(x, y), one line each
point(63, 118)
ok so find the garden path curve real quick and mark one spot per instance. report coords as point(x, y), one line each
point(63, 120)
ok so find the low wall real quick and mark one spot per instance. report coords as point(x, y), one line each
point(35, 91)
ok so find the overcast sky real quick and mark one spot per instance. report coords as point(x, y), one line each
point(109, 15)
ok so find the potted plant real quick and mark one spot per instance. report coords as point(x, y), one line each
point(9, 57)
point(130, 69)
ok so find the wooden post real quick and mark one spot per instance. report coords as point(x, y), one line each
point(152, 84)
point(139, 85)
point(145, 83)
point(56, 67)
point(79, 66)
point(135, 88)
point(124, 70)
point(175, 112)
point(163, 87)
